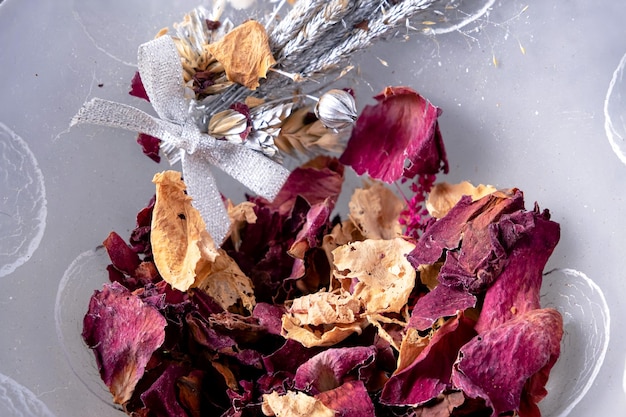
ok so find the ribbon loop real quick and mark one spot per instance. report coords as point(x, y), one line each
point(161, 74)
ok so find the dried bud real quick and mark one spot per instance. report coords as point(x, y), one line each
point(336, 109)
point(229, 124)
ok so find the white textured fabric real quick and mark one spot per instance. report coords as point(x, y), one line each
point(161, 74)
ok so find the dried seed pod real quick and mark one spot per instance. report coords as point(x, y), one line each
point(336, 109)
point(229, 124)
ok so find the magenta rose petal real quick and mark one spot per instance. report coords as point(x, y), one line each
point(401, 126)
point(136, 87)
point(429, 374)
point(517, 288)
point(150, 146)
point(348, 400)
point(442, 301)
point(446, 233)
point(519, 349)
point(326, 370)
point(123, 332)
point(161, 397)
point(123, 257)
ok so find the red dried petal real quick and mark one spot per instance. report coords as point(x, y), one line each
point(122, 256)
point(161, 397)
point(136, 87)
point(401, 126)
point(348, 400)
point(326, 370)
point(429, 374)
point(150, 146)
point(517, 288)
point(518, 349)
point(442, 301)
point(123, 332)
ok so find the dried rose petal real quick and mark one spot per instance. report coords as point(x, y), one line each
point(517, 288)
point(375, 210)
point(443, 196)
point(245, 53)
point(327, 370)
point(123, 332)
point(402, 125)
point(446, 232)
point(442, 301)
point(136, 87)
point(384, 276)
point(150, 146)
point(317, 180)
point(226, 283)
point(122, 256)
point(348, 400)
point(182, 248)
point(294, 404)
point(429, 374)
point(518, 349)
point(161, 397)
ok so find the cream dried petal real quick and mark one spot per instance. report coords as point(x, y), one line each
point(227, 284)
point(325, 308)
point(180, 243)
point(245, 53)
point(239, 215)
point(412, 345)
point(327, 335)
point(294, 404)
point(444, 196)
point(429, 274)
point(385, 277)
point(376, 211)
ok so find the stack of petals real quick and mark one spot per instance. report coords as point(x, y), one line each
point(302, 314)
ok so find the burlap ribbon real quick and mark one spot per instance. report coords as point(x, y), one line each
point(161, 73)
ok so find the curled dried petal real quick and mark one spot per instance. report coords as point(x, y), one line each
point(180, 243)
point(385, 277)
point(245, 53)
point(443, 196)
point(294, 404)
point(375, 210)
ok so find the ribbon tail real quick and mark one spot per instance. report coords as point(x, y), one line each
point(112, 114)
point(251, 168)
point(207, 199)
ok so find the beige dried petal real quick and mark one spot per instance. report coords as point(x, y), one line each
point(323, 336)
point(325, 308)
point(227, 284)
point(385, 277)
point(429, 274)
point(245, 53)
point(376, 210)
point(240, 215)
point(294, 404)
point(180, 243)
point(323, 319)
point(444, 196)
point(412, 345)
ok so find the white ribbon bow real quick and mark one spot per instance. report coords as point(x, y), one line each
point(161, 73)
